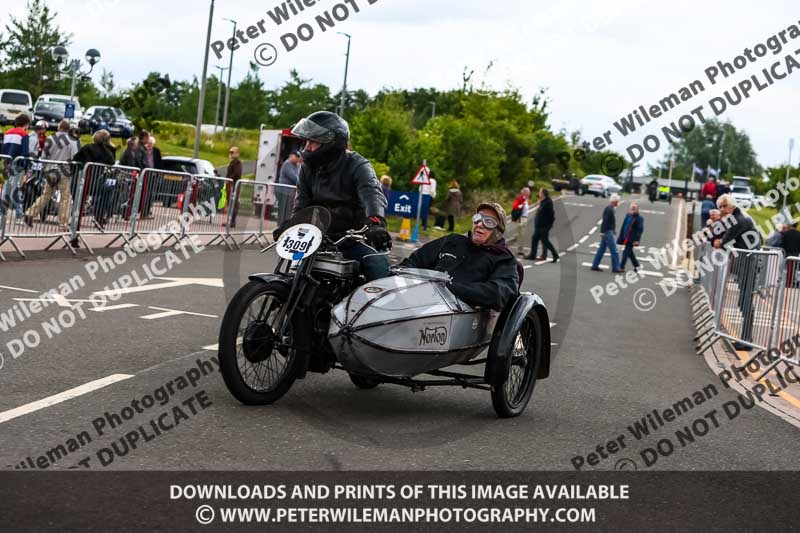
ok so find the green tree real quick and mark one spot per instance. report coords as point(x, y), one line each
point(712, 143)
point(383, 132)
point(249, 105)
point(27, 49)
point(296, 99)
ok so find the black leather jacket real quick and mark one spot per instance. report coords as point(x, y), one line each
point(736, 233)
point(348, 187)
point(482, 276)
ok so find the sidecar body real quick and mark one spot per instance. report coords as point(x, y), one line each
point(406, 325)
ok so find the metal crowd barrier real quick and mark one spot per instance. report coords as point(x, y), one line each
point(212, 196)
point(126, 203)
point(161, 197)
point(787, 340)
point(249, 212)
point(106, 202)
point(37, 201)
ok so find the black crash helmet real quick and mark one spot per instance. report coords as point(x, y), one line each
point(328, 129)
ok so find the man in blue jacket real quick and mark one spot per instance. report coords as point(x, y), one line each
point(608, 235)
point(629, 236)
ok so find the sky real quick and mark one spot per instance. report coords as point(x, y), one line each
point(598, 60)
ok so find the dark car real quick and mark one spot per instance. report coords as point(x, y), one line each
point(50, 112)
point(570, 183)
point(112, 119)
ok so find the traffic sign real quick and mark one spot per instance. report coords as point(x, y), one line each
point(423, 176)
point(69, 110)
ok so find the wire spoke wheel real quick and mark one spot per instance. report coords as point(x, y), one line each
point(258, 364)
point(512, 397)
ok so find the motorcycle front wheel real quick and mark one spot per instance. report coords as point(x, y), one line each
point(258, 366)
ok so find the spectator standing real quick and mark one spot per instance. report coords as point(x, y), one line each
point(60, 147)
point(131, 156)
point(722, 188)
point(386, 186)
point(16, 143)
point(608, 237)
point(705, 209)
point(519, 215)
point(709, 189)
point(791, 240)
point(453, 205)
point(629, 236)
point(743, 236)
point(542, 224)
point(428, 196)
point(37, 138)
point(151, 158)
point(290, 173)
point(100, 152)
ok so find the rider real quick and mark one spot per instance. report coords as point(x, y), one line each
point(484, 271)
point(345, 183)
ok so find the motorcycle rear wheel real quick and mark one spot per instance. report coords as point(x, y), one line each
point(255, 370)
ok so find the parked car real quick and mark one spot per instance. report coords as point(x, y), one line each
point(77, 116)
point(112, 119)
point(174, 185)
point(569, 183)
point(14, 103)
point(600, 185)
point(743, 195)
point(50, 112)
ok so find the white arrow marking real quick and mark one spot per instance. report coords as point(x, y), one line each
point(171, 282)
point(172, 312)
point(113, 308)
point(17, 289)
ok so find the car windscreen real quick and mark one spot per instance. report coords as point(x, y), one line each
point(741, 190)
point(14, 99)
point(49, 107)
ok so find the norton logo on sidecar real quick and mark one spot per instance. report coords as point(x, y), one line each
point(299, 241)
point(434, 335)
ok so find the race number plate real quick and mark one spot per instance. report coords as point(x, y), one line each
point(299, 241)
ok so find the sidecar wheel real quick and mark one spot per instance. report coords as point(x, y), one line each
point(255, 370)
point(511, 398)
point(363, 382)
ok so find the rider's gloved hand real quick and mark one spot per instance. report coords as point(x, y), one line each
point(277, 232)
point(377, 234)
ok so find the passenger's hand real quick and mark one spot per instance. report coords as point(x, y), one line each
point(277, 232)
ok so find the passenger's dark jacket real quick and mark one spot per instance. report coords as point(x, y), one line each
point(485, 276)
point(95, 153)
point(348, 187)
point(545, 215)
point(791, 243)
point(609, 220)
point(735, 234)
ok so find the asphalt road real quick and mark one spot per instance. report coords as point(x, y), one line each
point(613, 364)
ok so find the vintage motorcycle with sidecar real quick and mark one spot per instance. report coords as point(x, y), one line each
point(315, 313)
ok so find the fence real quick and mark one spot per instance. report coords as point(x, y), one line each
point(37, 201)
point(751, 298)
point(125, 203)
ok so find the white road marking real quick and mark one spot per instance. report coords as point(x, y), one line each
point(540, 263)
point(172, 312)
point(677, 235)
point(576, 204)
point(171, 282)
point(57, 298)
point(642, 272)
point(652, 212)
point(593, 230)
point(583, 239)
point(62, 397)
point(212, 347)
point(526, 267)
point(573, 247)
point(18, 289)
point(553, 324)
point(113, 307)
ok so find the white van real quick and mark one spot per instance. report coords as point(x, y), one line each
point(64, 99)
point(13, 103)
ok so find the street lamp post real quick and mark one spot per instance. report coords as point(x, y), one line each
point(433, 111)
point(201, 101)
point(719, 155)
point(346, 68)
point(219, 95)
point(788, 168)
point(228, 86)
point(73, 68)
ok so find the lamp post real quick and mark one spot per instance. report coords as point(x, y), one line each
point(219, 95)
point(788, 168)
point(201, 101)
point(73, 68)
point(719, 156)
point(228, 86)
point(433, 111)
point(346, 68)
